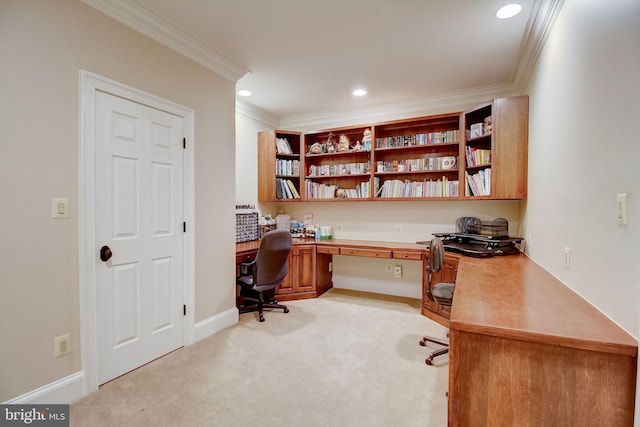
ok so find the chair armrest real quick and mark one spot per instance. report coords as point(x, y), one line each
point(247, 267)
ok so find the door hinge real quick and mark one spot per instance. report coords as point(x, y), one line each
point(184, 227)
point(184, 143)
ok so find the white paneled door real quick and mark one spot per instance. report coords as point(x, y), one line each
point(139, 232)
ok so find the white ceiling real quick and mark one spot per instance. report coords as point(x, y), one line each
point(302, 57)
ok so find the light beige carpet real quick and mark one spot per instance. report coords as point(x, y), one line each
point(344, 359)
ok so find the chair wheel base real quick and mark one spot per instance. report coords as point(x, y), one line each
point(286, 310)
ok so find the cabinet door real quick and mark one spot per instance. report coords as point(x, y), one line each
point(306, 266)
point(427, 304)
point(302, 271)
point(511, 130)
point(288, 285)
point(447, 274)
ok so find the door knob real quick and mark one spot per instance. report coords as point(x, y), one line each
point(105, 253)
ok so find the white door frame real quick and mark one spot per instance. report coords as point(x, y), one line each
point(87, 246)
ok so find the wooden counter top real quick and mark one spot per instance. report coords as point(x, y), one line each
point(365, 244)
point(513, 297)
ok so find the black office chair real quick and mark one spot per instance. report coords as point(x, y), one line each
point(267, 272)
point(440, 293)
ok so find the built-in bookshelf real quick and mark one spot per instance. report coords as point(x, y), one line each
point(476, 154)
point(279, 165)
point(495, 149)
point(338, 164)
point(418, 158)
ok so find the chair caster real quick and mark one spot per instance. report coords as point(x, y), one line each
point(261, 318)
point(429, 361)
point(423, 343)
point(286, 310)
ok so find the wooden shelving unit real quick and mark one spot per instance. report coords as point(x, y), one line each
point(424, 158)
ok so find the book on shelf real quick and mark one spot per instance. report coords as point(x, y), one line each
point(283, 146)
point(442, 137)
point(286, 189)
point(287, 167)
point(478, 156)
point(395, 188)
point(316, 190)
point(417, 165)
point(479, 184)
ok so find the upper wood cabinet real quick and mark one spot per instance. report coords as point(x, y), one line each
point(279, 164)
point(476, 154)
point(495, 149)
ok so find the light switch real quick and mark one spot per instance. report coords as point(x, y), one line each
point(59, 207)
point(621, 209)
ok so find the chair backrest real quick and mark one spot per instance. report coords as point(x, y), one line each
point(436, 255)
point(436, 259)
point(271, 261)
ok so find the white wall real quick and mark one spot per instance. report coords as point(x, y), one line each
point(44, 45)
point(584, 150)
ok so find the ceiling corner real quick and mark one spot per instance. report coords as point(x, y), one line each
point(143, 21)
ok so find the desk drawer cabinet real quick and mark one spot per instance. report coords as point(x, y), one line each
point(333, 250)
point(372, 253)
point(301, 279)
point(411, 255)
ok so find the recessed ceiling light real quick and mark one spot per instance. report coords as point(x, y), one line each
point(509, 11)
point(359, 92)
point(244, 92)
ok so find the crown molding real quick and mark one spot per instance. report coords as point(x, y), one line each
point(541, 21)
point(538, 28)
point(256, 113)
point(143, 21)
point(452, 101)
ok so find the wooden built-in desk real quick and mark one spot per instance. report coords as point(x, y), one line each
point(525, 350)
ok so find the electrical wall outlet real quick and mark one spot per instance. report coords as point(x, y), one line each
point(397, 271)
point(62, 345)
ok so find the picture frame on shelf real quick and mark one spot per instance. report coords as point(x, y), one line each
point(477, 130)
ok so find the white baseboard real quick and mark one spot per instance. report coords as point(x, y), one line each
point(63, 391)
point(207, 327)
point(409, 290)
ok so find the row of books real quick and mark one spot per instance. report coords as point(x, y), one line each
point(316, 190)
point(416, 165)
point(339, 169)
point(287, 167)
point(285, 189)
point(418, 139)
point(440, 188)
point(477, 156)
point(283, 146)
point(479, 184)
